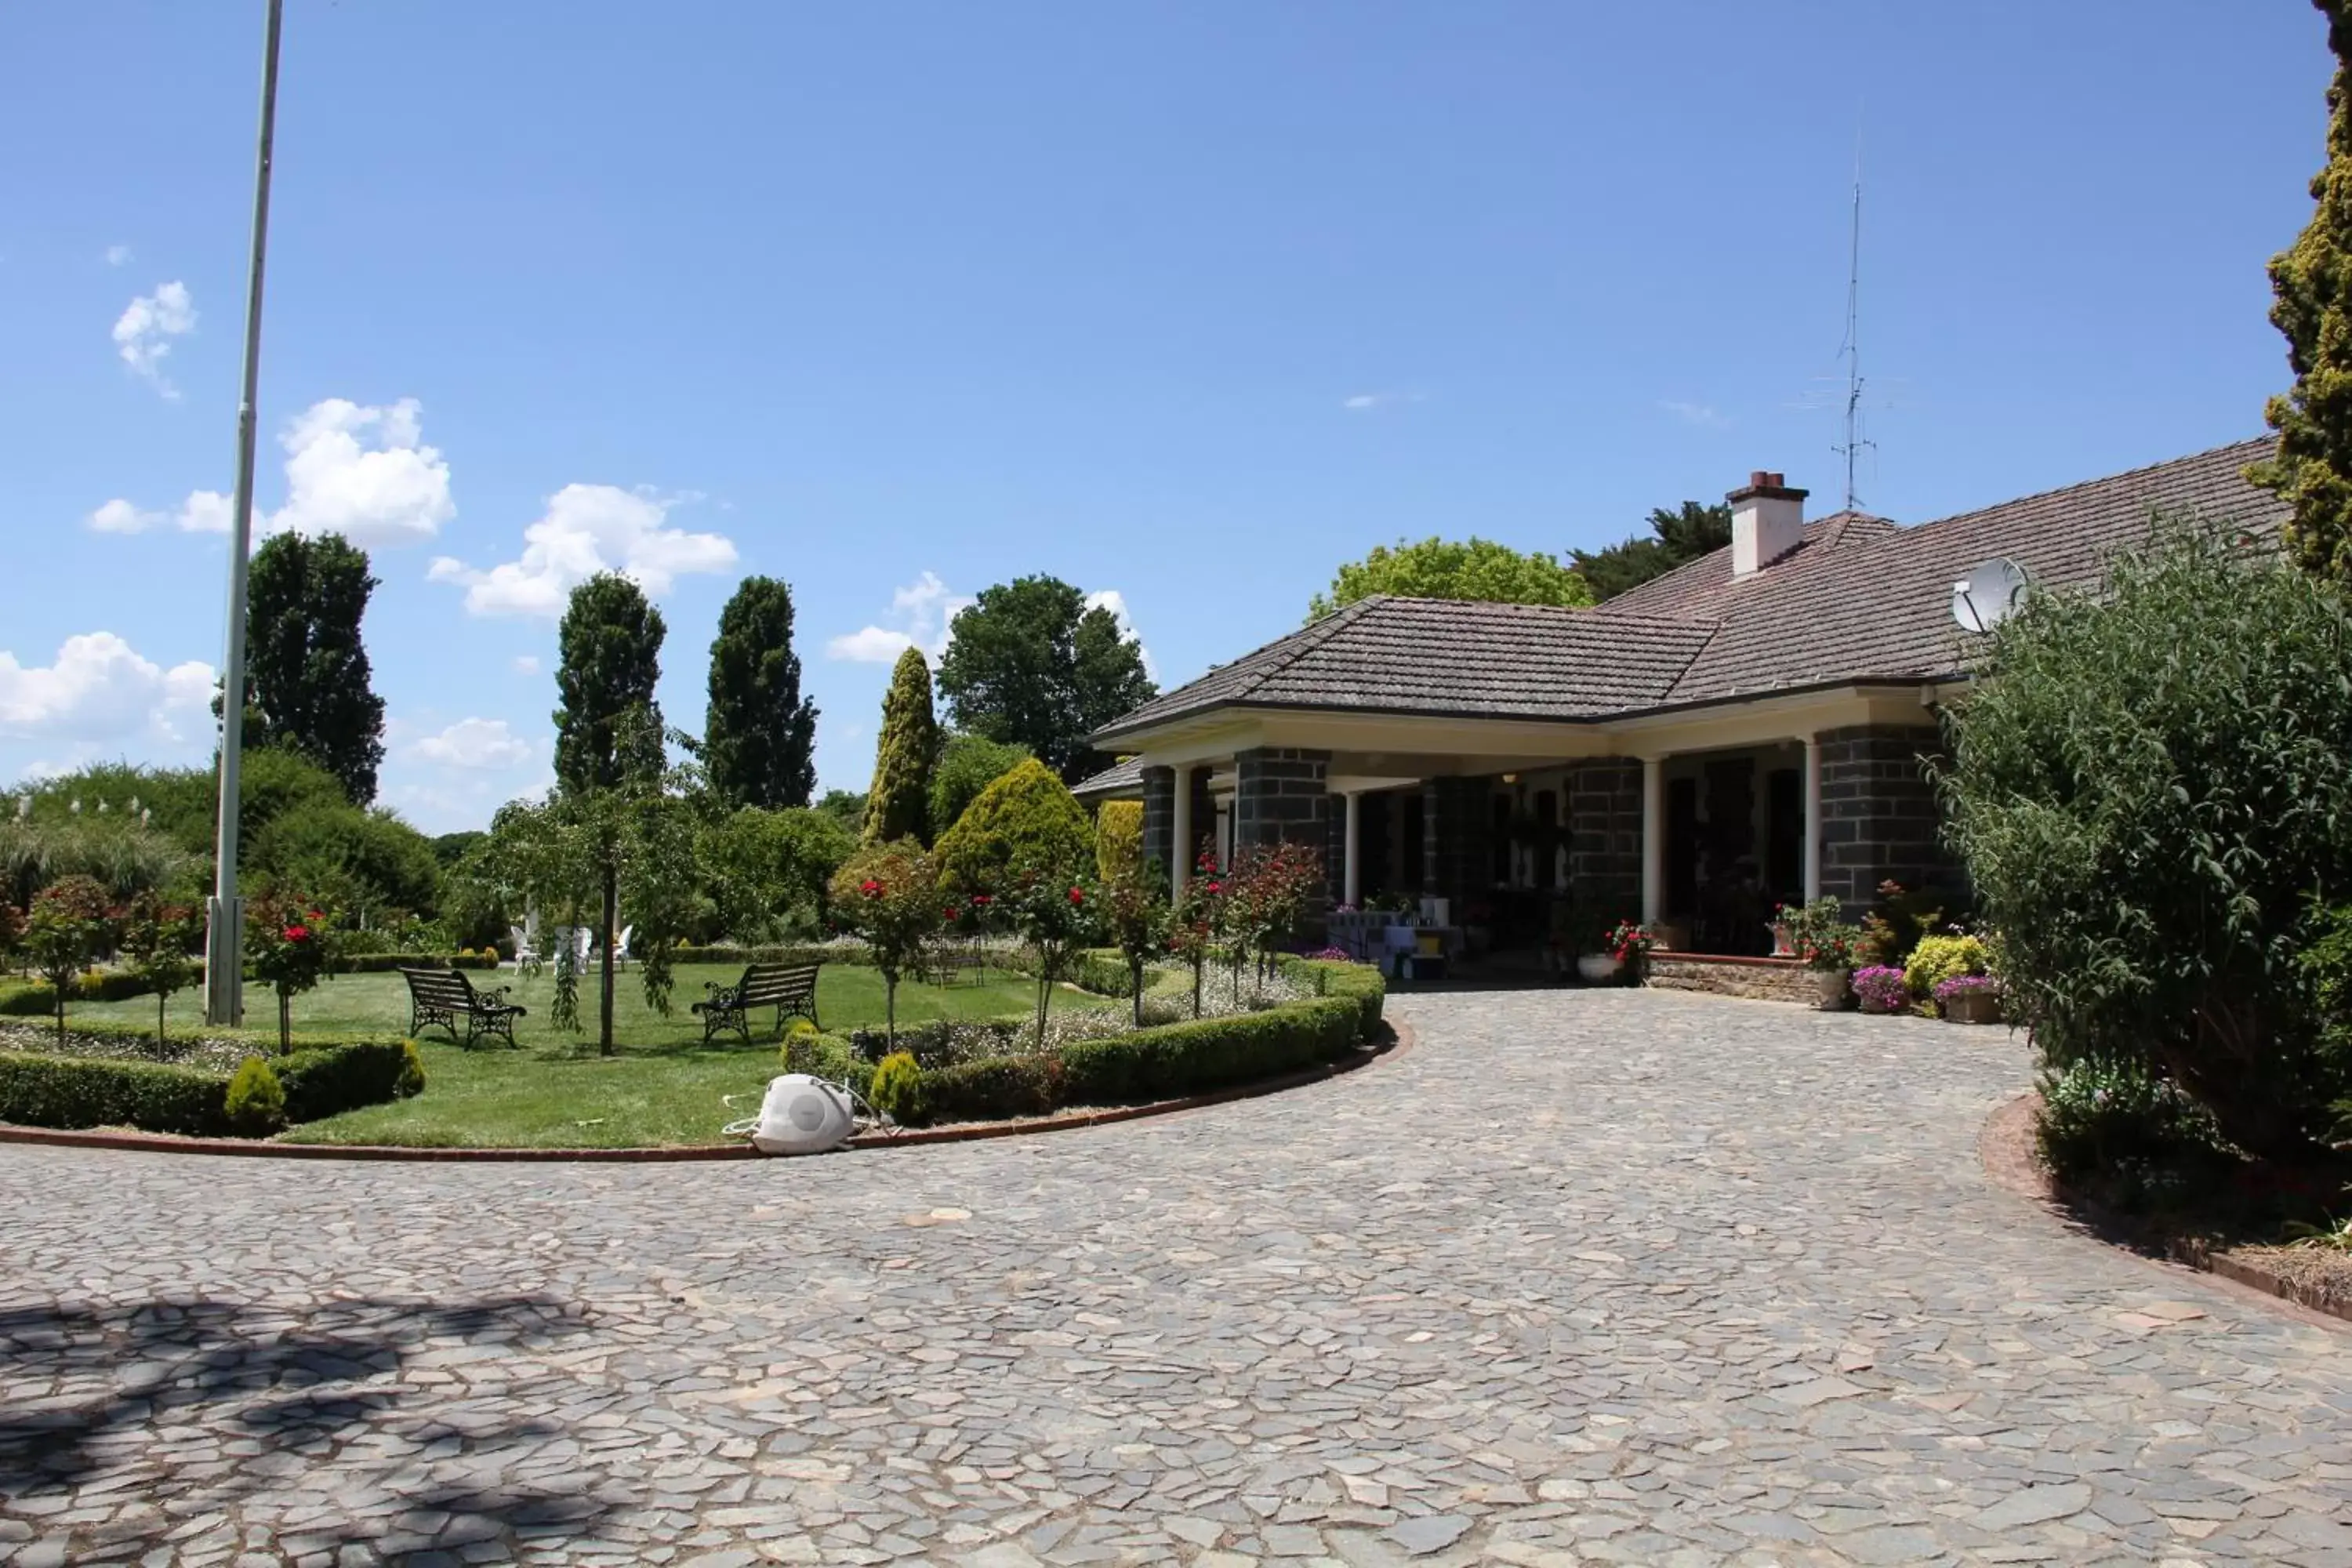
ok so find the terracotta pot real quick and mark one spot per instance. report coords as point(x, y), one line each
point(1599, 968)
point(1973, 1008)
point(1829, 989)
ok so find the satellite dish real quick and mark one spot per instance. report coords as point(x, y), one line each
point(1988, 595)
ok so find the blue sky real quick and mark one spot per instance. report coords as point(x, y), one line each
point(1183, 303)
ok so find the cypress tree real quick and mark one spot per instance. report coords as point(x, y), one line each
point(2312, 284)
point(899, 805)
point(307, 674)
point(760, 738)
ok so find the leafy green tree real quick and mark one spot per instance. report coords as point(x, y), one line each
point(449, 849)
point(899, 806)
point(967, 764)
point(1026, 820)
point(608, 738)
point(888, 894)
point(1030, 664)
point(2149, 789)
point(1677, 538)
point(1436, 568)
point(307, 674)
point(2311, 285)
point(158, 940)
point(845, 806)
point(767, 872)
point(759, 740)
point(365, 863)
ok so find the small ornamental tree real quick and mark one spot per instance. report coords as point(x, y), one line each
point(1267, 895)
point(287, 941)
point(1135, 909)
point(1196, 925)
point(158, 941)
point(12, 932)
point(899, 802)
point(1056, 915)
point(889, 894)
point(61, 934)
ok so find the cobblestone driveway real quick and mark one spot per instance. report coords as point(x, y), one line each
point(1585, 1278)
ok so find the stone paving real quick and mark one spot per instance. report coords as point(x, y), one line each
point(1601, 1276)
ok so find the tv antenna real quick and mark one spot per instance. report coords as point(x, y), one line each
point(1851, 349)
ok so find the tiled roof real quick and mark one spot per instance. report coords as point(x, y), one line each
point(1121, 778)
point(1448, 657)
point(1859, 599)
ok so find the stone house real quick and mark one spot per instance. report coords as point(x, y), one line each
point(1748, 730)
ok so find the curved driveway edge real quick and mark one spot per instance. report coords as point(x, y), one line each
point(1607, 1276)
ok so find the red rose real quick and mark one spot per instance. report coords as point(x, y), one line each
point(1216, 886)
point(1078, 895)
point(298, 933)
point(870, 888)
point(980, 899)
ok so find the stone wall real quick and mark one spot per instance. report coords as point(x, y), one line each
point(1878, 815)
point(1758, 979)
point(1159, 813)
point(1604, 833)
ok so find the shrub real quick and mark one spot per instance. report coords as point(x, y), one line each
point(255, 1104)
point(2118, 1120)
point(1028, 819)
point(39, 1000)
point(1360, 983)
point(93, 1092)
point(1208, 1053)
point(1118, 840)
point(327, 1081)
point(967, 764)
point(994, 1089)
point(896, 1090)
point(828, 1057)
point(1940, 958)
point(2147, 788)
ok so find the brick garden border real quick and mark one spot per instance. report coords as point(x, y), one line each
point(2005, 1148)
point(1401, 1039)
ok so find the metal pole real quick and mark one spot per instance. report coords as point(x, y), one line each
point(224, 915)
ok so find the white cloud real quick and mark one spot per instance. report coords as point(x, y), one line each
point(143, 333)
point(588, 528)
point(1365, 402)
point(1703, 415)
point(925, 611)
point(1114, 601)
point(352, 468)
point(474, 744)
point(115, 254)
point(118, 516)
point(100, 689)
point(526, 664)
point(362, 472)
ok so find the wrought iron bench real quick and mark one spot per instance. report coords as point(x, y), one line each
point(442, 997)
point(789, 988)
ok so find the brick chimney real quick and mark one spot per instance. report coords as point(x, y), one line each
point(1768, 518)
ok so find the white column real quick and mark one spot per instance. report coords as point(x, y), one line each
point(1352, 882)
point(1812, 818)
point(1179, 848)
point(1654, 840)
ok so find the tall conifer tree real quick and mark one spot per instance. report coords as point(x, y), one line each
point(899, 803)
point(759, 740)
point(308, 682)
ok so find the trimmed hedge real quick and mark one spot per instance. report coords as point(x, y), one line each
point(158, 1096)
point(1209, 1053)
point(331, 1080)
point(1360, 983)
point(93, 1092)
point(35, 999)
point(993, 1089)
point(386, 963)
point(781, 952)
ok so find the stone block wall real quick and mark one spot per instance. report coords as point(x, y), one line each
point(1604, 833)
point(1878, 814)
point(1280, 797)
point(1758, 979)
point(1159, 813)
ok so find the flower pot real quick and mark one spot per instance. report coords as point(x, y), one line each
point(1973, 1006)
point(1829, 989)
point(1882, 1008)
point(1781, 947)
point(1599, 968)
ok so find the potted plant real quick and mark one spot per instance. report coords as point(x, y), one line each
point(1824, 943)
point(1628, 943)
point(1880, 988)
point(1969, 998)
point(1590, 930)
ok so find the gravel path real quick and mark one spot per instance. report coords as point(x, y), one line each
point(1604, 1276)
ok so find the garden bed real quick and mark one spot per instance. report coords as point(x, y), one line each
point(2318, 1279)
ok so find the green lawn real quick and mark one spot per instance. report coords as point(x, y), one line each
point(662, 1087)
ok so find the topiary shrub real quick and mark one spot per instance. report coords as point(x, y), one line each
point(1118, 839)
point(1209, 1053)
point(89, 1091)
point(994, 1089)
point(1940, 958)
point(255, 1104)
point(321, 1080)
point(1028, 818)
point(896, 1090)
point(411, 1082)
point(828, 1057)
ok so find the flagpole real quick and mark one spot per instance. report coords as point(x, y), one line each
point(224, 915)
